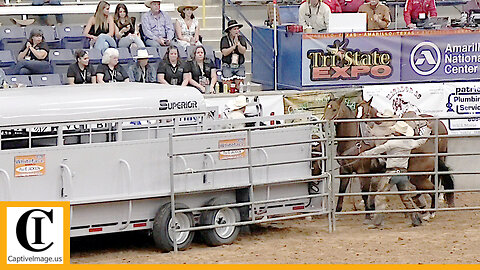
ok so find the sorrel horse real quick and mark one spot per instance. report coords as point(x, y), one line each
point(422, 164)
point(336, 109)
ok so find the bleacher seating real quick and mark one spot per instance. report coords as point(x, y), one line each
point(7, 59)
point(71, 36)
point(48, 33)
point(60, 59)
point(162, 51)
point(12, 38)
point(45, 79)
point(95, 56)
point(18, 79)
point(124, 56)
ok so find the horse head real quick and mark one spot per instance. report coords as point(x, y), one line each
point(336, 109)
point(366, 110)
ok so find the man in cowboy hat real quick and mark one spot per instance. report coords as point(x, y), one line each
point(396, 165)
point(142, 71)
point(237, 110)
point(157, 25)
point(233, 46)
point(314, 14)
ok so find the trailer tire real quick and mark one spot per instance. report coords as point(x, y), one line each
point(222, 235)
point(162, 234)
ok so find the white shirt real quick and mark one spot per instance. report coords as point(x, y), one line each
point(397, 147)
point(315, 17)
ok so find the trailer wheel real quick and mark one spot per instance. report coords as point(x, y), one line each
point(163, 228)
point(223, 235)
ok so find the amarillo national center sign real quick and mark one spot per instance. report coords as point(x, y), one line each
point(390, 57)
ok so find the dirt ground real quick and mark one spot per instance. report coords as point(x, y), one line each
point(453, 237)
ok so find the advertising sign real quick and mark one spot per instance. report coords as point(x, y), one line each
point(31, 165)
point(350, 59)
point(452, 100)
point(390, 57)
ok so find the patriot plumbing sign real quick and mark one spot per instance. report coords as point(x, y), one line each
point(350, 59)
point(455, 100)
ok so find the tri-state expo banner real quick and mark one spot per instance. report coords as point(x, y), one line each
point(390, 57)
point(454, 100)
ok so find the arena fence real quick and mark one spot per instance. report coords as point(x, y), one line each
point(324, 185)
point(333, 167)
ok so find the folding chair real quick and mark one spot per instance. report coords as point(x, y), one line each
point(71, 37)
point(12, 38)
point(60, 59)
point(45, 79)
point(18, 79)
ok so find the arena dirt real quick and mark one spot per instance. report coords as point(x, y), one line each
point(451, 238)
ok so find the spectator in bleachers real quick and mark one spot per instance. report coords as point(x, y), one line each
point(101, 28)
point(172, 70)
point(334, 6)
point(417, 11)
point(142, 71)
point(233, 47)
point(33, 57)
point(203, 74)
point(126, 30)
point(378, 15)
point(187, 28)
point(110, 70)
point(350, 6)
point(314, 14)
point(157, 26)
point(43, 18)
point(81, 72)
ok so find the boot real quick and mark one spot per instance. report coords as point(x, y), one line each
point(416, 221)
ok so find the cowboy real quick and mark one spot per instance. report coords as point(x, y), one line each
point(237, 110)
point(157, 25)
point(314, 14)
point(142, 71)
point(383, 128)
point(396, 165)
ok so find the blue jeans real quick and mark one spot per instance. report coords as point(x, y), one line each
point(43, 18)
point(127, 41)
point(27, 67)
point(104, 42)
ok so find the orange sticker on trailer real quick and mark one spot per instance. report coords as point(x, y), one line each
point(31, 165)
point(232, 154)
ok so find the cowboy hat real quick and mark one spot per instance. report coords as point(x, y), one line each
point(386, 114)
point(403, 128)
point(232, 24)
point(22, 22)
point(187, 4)
point(149, 2)
point(240, 102)
point(142, 54)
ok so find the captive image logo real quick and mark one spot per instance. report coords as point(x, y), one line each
point(35, 235)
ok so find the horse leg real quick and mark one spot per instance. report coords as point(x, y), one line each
point(422, 182)
point(369, 204)
point(382, 184)
point(342, 189)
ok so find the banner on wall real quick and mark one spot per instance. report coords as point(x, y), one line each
point(460, 99)
point(390, 57)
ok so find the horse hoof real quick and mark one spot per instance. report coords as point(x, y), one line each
point(425, 216)
point(367, 221)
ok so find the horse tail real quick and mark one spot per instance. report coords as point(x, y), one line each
point(447, 182)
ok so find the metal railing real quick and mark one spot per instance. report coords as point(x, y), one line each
point(333, 157)
point(253, 204)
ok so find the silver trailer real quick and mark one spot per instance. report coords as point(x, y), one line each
point(124, 154)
